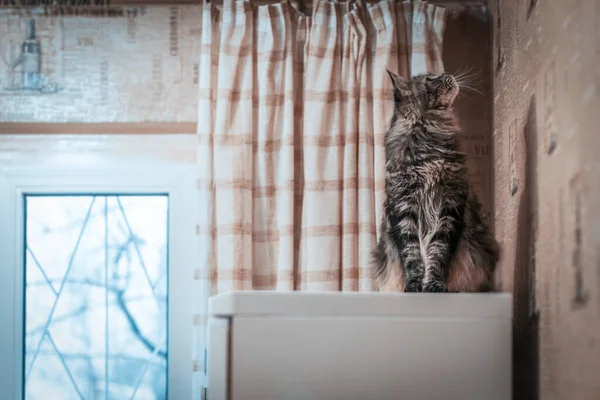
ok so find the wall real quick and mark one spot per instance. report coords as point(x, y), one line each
point(133, 70)
point(467, 48)
point(87, 149)
point(547, 191)
point(136, 65)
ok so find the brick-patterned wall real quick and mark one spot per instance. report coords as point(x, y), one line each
point(546, 191)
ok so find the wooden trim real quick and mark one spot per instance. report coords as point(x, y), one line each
point(99, 128)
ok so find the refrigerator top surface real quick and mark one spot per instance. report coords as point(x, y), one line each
point(353, 304)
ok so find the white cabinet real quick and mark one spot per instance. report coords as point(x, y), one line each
point(363, 346)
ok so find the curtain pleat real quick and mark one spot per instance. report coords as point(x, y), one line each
point(293, 111)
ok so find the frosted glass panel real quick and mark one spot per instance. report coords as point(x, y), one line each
point(96, 297)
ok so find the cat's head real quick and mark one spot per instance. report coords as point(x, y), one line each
point(416, 97)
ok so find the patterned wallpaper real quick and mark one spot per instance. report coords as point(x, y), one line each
point(547, 191)
point(132, 65)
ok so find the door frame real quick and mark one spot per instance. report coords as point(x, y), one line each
point(176, 180)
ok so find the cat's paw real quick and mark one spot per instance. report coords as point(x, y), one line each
point(435, 287)
point(413, 287)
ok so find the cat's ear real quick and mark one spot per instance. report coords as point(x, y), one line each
point(397, 80)
point(399, 85)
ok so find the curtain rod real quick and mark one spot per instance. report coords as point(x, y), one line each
point(137, 3)
point(451, 3)
point(177, 2)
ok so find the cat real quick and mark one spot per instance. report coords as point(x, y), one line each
point(432, 236)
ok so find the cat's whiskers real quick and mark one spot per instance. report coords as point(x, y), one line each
point(467, 73)
point(463, 72)
point(468, 82)
point(467, 79)
point(463, 86)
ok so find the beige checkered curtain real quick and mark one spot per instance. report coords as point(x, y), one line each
point(292, 114)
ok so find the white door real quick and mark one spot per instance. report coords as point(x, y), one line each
point(95, 282)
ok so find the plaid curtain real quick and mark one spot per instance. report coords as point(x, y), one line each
point(292, 115)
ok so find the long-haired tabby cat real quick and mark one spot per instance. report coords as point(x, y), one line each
point(432, 237)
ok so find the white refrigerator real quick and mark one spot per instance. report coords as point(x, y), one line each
point(359, 346)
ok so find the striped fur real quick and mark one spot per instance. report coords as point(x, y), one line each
point(432, 236)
